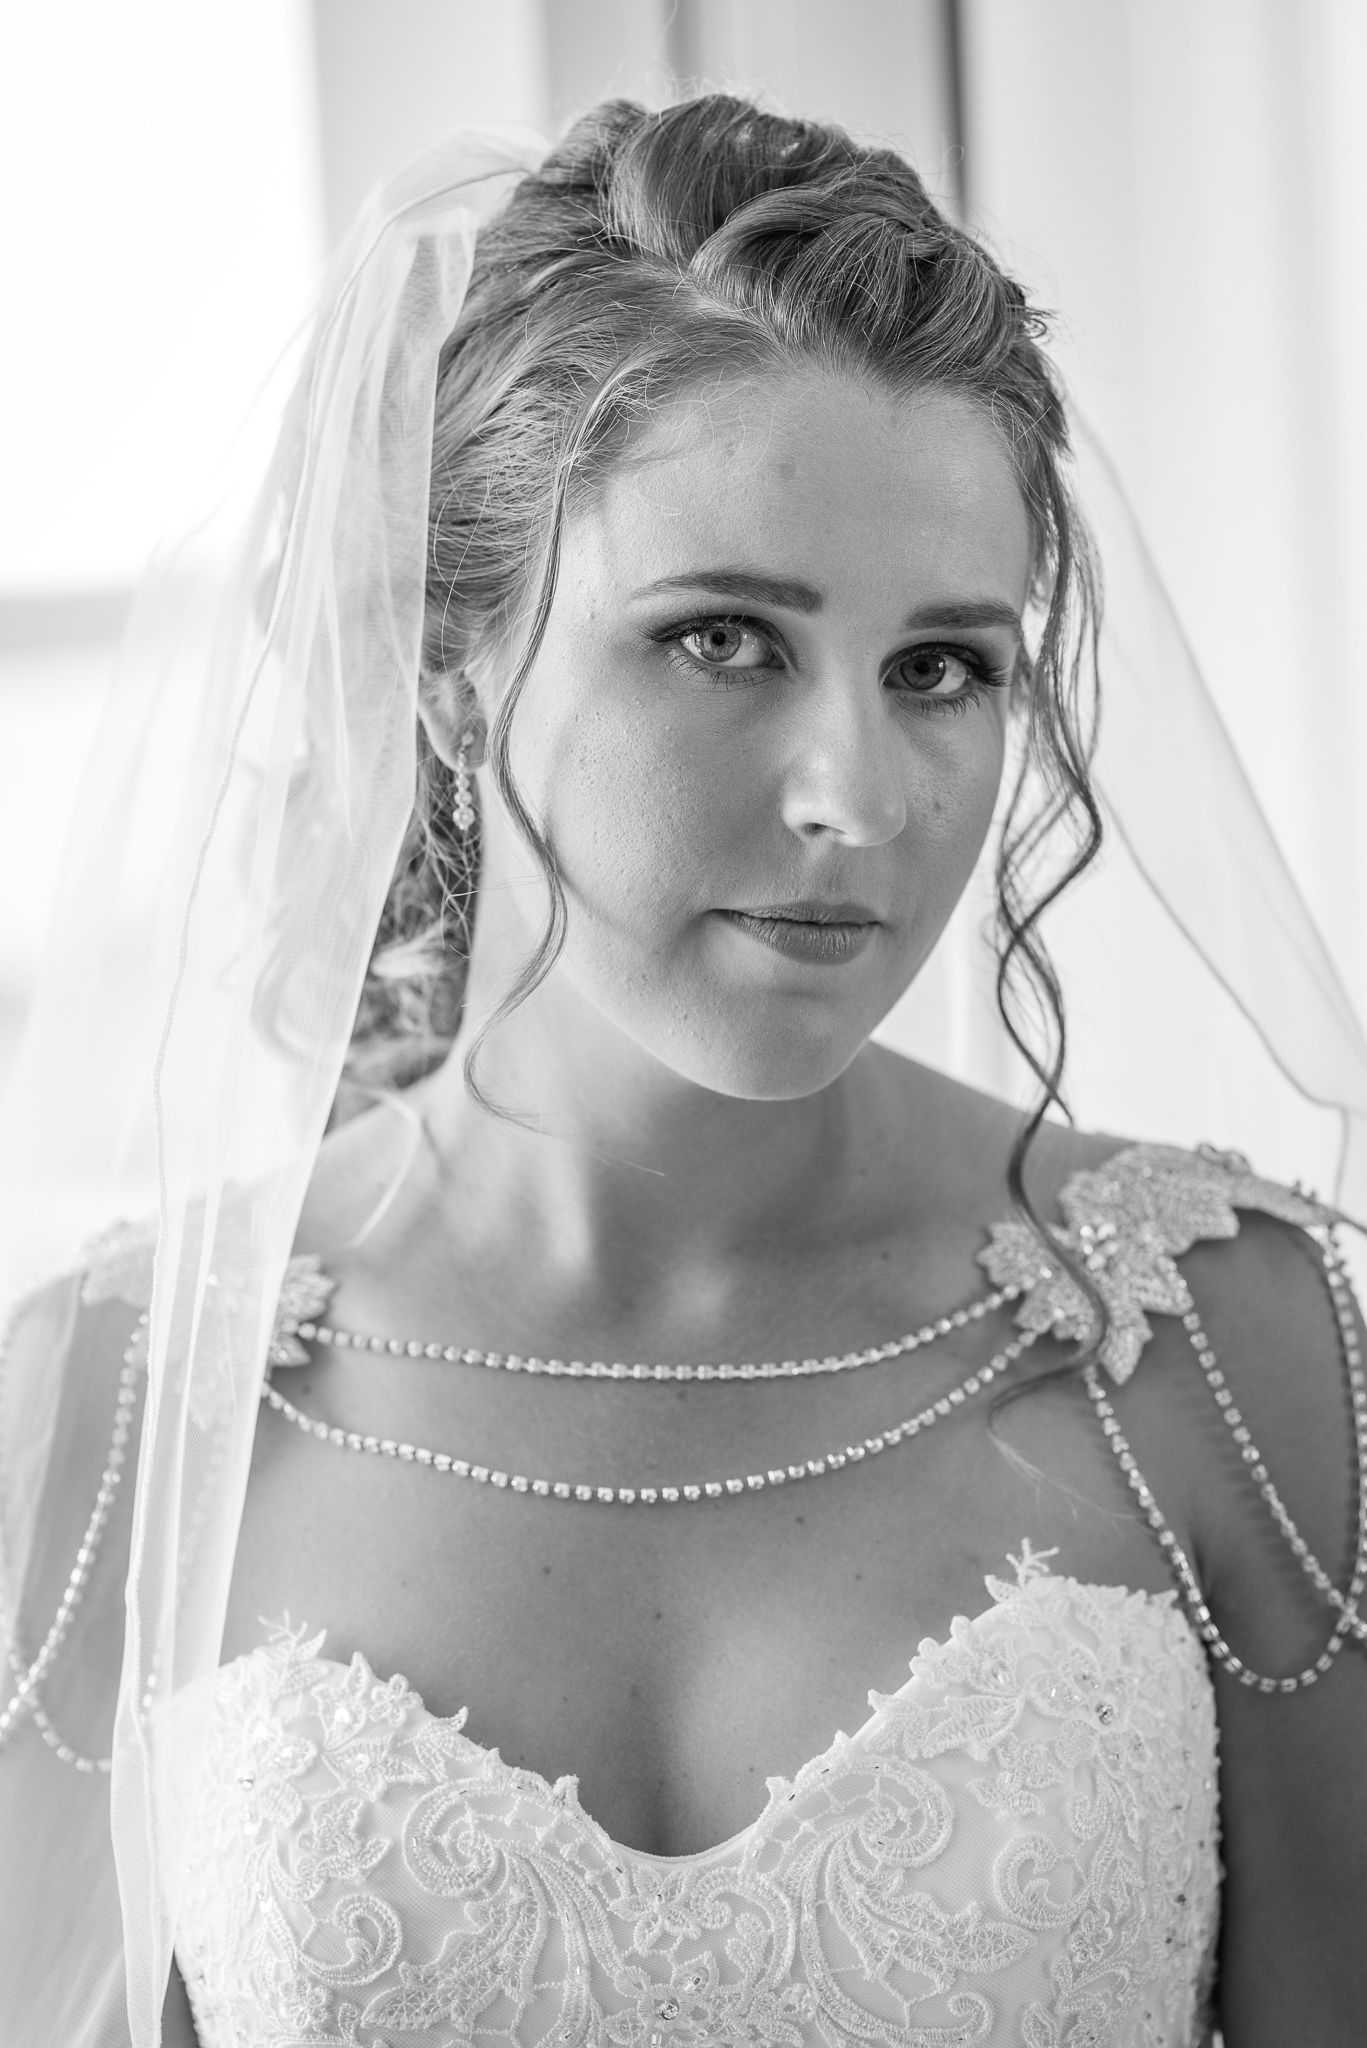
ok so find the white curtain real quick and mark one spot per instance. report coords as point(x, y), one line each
point(1186, 186)
point(162, 227)
point(1186, 182)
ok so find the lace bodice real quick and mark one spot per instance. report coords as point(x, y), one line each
point(1018, 1846)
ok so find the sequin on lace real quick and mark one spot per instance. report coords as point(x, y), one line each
point(1127, 1222)
point(1018, 1846)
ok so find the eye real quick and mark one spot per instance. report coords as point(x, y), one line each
point(727, 644)
point(943, 672)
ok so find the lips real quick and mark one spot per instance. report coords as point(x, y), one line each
point(818, 931)
point(810, 910)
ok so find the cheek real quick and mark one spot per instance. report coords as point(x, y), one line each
point(954, 777)
point(635, 819)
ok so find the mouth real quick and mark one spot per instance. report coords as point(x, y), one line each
point(821, 933)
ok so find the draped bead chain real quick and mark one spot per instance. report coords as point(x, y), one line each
point(618, 1369)
point(1349, 1622)
point(26, 1702)
point(26, 1699)
point(686, 1491)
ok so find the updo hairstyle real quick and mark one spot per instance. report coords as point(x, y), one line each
point(651, 252)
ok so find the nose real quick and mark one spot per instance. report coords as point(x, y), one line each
point(845, 772)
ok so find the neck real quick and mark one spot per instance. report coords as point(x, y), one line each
point(611, 1165)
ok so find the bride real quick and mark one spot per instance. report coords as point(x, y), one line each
point(751, 569)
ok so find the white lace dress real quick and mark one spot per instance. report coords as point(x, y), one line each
point(1019, 1846)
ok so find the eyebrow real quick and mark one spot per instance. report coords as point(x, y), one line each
point(788, 591)
point(792, 594)
point(955, 614)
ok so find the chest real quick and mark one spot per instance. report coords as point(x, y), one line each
point(1026, 1829)
point(671, 1658)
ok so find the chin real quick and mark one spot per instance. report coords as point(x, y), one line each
point(776, 1065)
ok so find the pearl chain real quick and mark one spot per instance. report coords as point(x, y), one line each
point(651, 1496)
point(1350, 1622)
point(597, 1369)
point(25, 1698)
point(1340, 1295)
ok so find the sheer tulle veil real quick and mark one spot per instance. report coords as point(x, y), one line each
point(238, 828)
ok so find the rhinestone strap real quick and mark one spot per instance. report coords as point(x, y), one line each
point(25, 1699)
point(598, 1369)
point(650, 1496)
point(1341, 1296)
point(1349, 1621)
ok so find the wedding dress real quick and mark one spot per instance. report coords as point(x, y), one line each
point(1019, 1845)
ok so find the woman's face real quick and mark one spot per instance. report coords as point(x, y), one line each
point(764, 732)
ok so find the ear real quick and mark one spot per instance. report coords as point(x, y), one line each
point(450, 713)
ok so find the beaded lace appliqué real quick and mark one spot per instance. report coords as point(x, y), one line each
point(1019, 1846)
point(119, 1265)
point(1128, 1221)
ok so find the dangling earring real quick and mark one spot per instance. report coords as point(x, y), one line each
point(463, 809)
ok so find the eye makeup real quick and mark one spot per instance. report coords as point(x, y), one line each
point(728, 632)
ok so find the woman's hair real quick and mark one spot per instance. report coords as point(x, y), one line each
point(650, 254)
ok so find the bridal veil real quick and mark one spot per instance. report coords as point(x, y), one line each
point(237, 830)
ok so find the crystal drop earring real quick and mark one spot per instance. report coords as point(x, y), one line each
point(463, 809)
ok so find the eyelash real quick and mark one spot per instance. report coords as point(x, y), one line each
point(987, 675)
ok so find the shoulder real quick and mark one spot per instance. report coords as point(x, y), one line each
point(1251, 1419)
point(1123, 1218)
point(1234, 1353)
point(1279, 1320)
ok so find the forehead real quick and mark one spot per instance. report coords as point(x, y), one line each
point(818, 475)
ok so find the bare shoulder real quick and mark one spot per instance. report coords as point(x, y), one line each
point(1243, 1419)
point(1271, 1298)
point(1268, 1315)
point(1294, 1764)
point(1269, 1310)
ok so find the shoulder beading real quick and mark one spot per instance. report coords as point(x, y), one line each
point(119, 1264)
point(1127, 1222)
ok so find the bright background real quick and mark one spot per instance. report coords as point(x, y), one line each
point(1185, 181)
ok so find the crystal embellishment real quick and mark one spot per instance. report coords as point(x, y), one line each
point(1126, 1223)
point(120, 1263)
point(304, 1294)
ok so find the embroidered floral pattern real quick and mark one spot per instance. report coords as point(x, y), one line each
point(1020, 1845)
point(118, 1264)
point(304, 1294)
point(1126, 1223)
